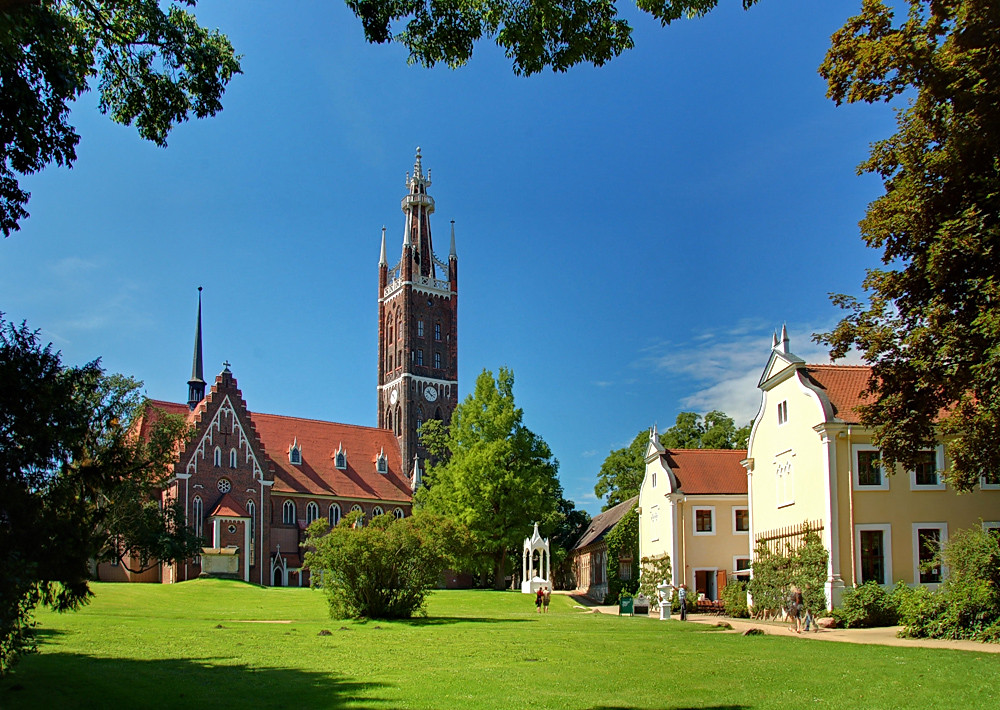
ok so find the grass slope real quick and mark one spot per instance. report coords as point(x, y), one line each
point(184, 645)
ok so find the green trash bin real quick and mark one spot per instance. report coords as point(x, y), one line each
point(625, 606)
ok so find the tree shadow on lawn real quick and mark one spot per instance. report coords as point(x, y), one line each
point(675, 707)
point(73, 680)
point(446, 620)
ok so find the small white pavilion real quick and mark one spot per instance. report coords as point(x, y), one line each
point(531, 577)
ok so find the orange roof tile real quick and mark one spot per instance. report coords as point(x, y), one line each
point(709, 471)
point(228, 507)
point(317, 473)
point(843, 385)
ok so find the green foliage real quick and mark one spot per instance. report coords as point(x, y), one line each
point(622, 540)
point(866, 606)
point(622, 472)
point(570, 524)
point(153, 66)
point(76, 484)
point(382, 570)
point(932, 318)
point(967, 606)
point(654, 571)
point(734, 597)
point(499, 475)
point(774, 573)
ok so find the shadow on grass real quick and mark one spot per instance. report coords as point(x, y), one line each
point(71, 680)
point(446, 620)
point(675, 707)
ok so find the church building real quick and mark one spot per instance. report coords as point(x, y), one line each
point(251, 483)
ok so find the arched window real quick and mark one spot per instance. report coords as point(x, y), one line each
point(218, 457)
point(357, 509)
point(312, 512)
point(398, 422)
point(251, 510)
point(295, 455)
point(288, 513)
point(334, 514)
point(377, 510)
point(381, 465)
point(398, 513)
point(232, 458)
point(196, 514)
point(341, 460)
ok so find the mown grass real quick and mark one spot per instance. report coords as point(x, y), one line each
point(184, 645)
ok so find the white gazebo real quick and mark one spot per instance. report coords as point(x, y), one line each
point(530, 581)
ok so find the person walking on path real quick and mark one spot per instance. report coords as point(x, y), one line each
point(538, 600)
point(795, 609)
point(546, 598)
point(682, 594)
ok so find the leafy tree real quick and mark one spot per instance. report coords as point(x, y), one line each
point(567, 524)
point(76, 483)
point(931, 323)
point(499, 477)
point(622, 539)
point(622, 472)
point(154, 66)
point(382, 570)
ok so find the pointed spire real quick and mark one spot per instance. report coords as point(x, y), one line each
point(774, 339)
point(196, 385)
point(452, 254)
point(415, 477)
point(381, 256)
point(784, 339)
point(418, 169)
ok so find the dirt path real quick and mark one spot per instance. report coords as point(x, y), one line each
point(885, 636)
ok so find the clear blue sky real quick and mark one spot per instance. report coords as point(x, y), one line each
point(628, 236)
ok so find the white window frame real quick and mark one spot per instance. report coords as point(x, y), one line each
point(736, 566)
point(233, 458)
point(693, 587)
point(855, 480)
point(312, 511)
point(381, 465)
point(295, 456)
point(782, 412)
point(942, 529)
point(784, 482)
point(288, 505)
point(340, 459)
point(333, 514)
point(694, 520)
point(983, 485)
point(217, 457)
point(377, 510)
point(939, 465)
point(398, 514)
point(741, 532)
point(886, 529)
point(991, 525)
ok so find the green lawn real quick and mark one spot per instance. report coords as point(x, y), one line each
point(183, 645)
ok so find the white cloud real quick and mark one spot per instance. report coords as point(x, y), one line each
point(723, 367)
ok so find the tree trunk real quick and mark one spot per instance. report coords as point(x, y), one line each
point(499, 560)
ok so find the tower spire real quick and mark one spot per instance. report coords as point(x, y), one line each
point(452, 254)
point(418, 207)
point(381, 257)
point(196, 385)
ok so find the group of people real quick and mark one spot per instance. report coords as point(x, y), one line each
point(542, 597)
point(798, 614)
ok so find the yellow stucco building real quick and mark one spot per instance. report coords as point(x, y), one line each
point(693, 507)
point(811, 462)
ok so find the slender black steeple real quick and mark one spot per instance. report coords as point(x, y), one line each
point(196, 385)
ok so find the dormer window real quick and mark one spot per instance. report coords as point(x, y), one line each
point(295, 454)
point(381, 465)
point(340, 458)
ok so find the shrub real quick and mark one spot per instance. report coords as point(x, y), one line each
point(382, 570)
point(774, 574)
point(655, 570)
point(734, 597)
point(623, 540)
point(866, 606)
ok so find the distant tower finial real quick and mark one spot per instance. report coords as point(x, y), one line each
point(381, 256)
point(784, 338)
point(774, 339)
point(418, 168)
point(196, 385)
point(452, 253)
point(416, 476)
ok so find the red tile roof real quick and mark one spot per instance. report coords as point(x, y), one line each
point(709, 471)
point(843, 385)
point(229, 507)
point(319, 441)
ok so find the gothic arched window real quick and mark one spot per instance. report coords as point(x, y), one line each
point(196, 513)
point(288, 513)
point(377, 510)
point(334, 514)
point(232, 458)
point(218, 457)
point(398, 513)
point(312, 512)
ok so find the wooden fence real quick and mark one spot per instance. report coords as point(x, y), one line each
point(790, 537)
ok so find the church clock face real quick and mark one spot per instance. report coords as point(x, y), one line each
point(430, 393)
point(393, 396)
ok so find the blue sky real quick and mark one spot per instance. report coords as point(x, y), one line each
point(628, 236)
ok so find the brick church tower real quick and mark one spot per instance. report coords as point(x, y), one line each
point(417, 327)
